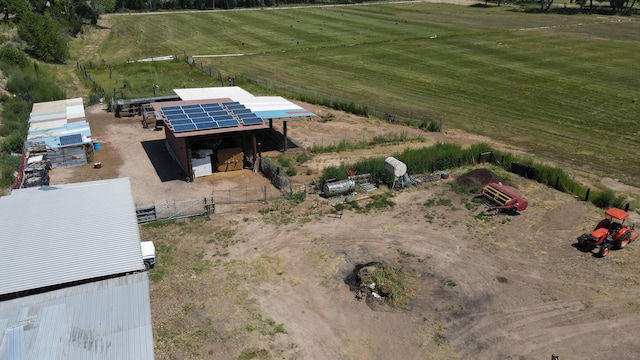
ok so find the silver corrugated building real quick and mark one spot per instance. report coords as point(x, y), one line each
point(107, 319)
point(70, 282)
point(67, 233)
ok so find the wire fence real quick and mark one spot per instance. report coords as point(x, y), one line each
point(388, 112)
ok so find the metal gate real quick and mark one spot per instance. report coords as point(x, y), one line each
point(175, 209)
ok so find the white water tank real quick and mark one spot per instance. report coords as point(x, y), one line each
point(395, 166)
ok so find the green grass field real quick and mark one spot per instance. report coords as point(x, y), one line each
point(562, 88)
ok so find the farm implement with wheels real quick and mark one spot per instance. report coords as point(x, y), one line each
point(501, 197)
point(610, 233)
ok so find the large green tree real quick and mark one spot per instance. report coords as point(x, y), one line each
point(14, 7)
point(45, 37)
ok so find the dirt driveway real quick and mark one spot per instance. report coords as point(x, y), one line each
point(272, 281)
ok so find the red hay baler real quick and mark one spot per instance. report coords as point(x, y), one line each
point(610, 233)
point(503, 197)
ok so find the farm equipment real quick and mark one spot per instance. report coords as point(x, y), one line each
point(503, 198)
point(610, 233)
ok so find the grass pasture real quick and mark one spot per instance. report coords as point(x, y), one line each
point(564, 88)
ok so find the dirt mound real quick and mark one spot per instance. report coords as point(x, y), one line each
point(478, 178)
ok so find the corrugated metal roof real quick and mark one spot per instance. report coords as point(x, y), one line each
point(235, 93)
point(108, 319)
point(51, 136)
point(267, 107)
point(58, 234)
point(69, 110)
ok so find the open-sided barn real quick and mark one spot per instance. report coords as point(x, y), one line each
point(217, 129)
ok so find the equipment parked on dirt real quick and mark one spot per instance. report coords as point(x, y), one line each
point(148, 254)
point(610, 233)
point(503, 198)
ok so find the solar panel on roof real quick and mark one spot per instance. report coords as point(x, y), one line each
point(242, 111)
point(70, 139)
point(211, 106)
point(230, 103)
point(235, 108)
point(217, 113)
point(177, 117)
point(173, 112)
point(195, 106)
point(228, 123)
point(202, 120)
point(180, 122)
point(223, 118)
point(208, 125)
point(169, 108)
point(246, 115)
point(181, 128)
point(253, 121)
point(193, 111)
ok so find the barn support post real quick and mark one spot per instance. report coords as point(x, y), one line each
point(284, 136)
point(255, 152)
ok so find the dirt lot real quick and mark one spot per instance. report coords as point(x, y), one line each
point(273, 281)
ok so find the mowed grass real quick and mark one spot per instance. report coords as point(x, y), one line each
point(561, 88)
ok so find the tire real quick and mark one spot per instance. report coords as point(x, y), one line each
point(146, 266)
point(623, 242)
point(604, 251)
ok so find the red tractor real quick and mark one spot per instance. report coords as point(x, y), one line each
point(611, 232)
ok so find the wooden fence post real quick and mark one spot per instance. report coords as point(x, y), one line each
point(586, 197)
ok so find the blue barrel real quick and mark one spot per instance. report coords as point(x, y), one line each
point(96, 146)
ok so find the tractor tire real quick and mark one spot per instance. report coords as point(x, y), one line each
point(623, 242)
point(604, 251)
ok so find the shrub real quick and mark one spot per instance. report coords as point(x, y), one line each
point(12, 143)
point(8, 165)
point(13, 56)
point(296, 198)
point(394, 283)
point(607, 199)
point(284, 161)
point(40, 87)
point(291, 171)
point(44, 36)
point(303, 158)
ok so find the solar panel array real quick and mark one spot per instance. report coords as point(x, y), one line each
point(209, 116)
point(70, 139)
